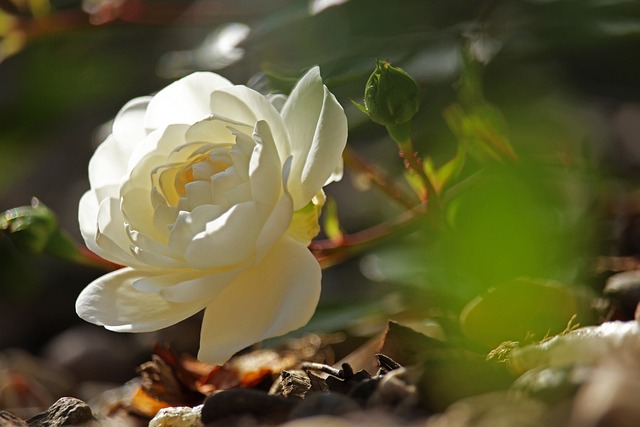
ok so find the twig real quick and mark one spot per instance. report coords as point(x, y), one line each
point(413, 163)
point(330, 252)
point(379, 177)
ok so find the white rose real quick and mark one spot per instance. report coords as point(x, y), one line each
point(210, 196)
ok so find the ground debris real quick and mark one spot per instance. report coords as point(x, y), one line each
point(318, 403)
point(227, 405)
point(411, 380)
point(7, 419)
point(294, 384)
point(30, 384)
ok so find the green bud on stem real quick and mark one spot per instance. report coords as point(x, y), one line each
point(391, 96)
point(30, 227)
point(35, 230)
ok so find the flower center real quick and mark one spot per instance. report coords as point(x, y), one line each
point(202, 168)
point(176, 181)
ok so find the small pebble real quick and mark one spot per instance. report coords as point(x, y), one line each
point(182, 416)
point(66, 411)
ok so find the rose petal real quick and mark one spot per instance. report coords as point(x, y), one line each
point(148, 259)
point(278, 100)
point(240, 154)
point(87, 219)
point(160, 143)
point(189, 224)
point(265, 169)
point(136, 190)
point(198, 193)
point(111, 236)
point(222, 183)
point(318, 133)
point(325, 154)
point(337, 173)
point(248, 106)
point(270, 299)
point(302, 108)
point(215, 130)
point(143, 241)
point(188, 286)
point(228, 240)
point(240, 194)
point(184, 101)
point(112, 302)
point(275, 226)
point(108, 165)
point(138, 211)
point(128, 126)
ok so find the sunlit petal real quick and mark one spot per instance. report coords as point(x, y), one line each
point(215, 130)
point(248, 106)
point(265, 169)
point(318, 134)
point(88, 220)
point(275, 297)
point(184, 101)
point(275, 226)
point(188, 286)
point(128, 126)
point(227, 240)
point(160, 143)
point(111, 240)
point(111, 301)
point(189, 224)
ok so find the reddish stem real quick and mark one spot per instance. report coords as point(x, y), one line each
point(93, 260)
point(413, 162)
point(379, 177)
point(330, 252)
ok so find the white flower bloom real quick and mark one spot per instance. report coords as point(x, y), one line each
point(209, 196)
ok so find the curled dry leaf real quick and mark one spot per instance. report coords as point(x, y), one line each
point(171, 380)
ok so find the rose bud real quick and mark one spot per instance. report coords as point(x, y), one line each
point(391, 95)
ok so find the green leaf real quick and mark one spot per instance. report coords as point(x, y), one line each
point(360, 107)
point(476, 123)
point(481, 129)
point(331, 222)
point(519, 310)
point(441, 176)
